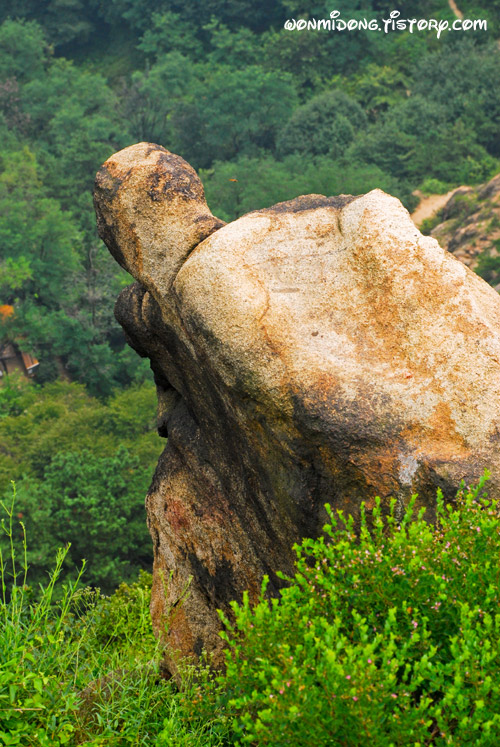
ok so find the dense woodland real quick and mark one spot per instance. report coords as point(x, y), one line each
point(264, 114)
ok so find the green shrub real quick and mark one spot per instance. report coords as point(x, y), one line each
point(125, 615)
point(432, 186)
point(488, 264)
point(463, 205)
point(428, 224)
point(389, 638)
point(84, 670)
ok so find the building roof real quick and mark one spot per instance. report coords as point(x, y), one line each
point(11, 356)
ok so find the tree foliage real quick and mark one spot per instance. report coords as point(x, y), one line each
point(233, 189)
point(95, 503)
point(325, 126)
point(82, 469)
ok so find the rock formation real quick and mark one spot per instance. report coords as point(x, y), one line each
point(318, 350)
point(468, 226)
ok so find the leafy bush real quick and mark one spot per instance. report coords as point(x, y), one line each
point(433, 186)
point(429, 224)
point(488, 265)
point(460, 206)
point(391, 638)
point(125, 616)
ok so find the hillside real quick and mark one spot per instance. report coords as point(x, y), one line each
point(468, 226)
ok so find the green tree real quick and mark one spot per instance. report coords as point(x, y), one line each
point(207, 112)
point(233, 189)
point(299, 54)
point(82, 468)
point(465, 78)
point(13, 274)
point(24, 51)
point(376, 88)
point(416, 139)
point(169, 32)
point(95, 503)
point(34, 231)
point(257, 15)
point(315, 56)
point(38, 422)
point(64, 305)
point(74, 115)
point(325, 126)
point(231, 112)
point(149, 98)
point(236, 48)
point(62, 20)
point(15, 120)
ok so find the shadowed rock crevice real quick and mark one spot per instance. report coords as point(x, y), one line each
point(319, 350)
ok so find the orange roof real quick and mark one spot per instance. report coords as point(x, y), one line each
point(6, 311)
point(29, 361)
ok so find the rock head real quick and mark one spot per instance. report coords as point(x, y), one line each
point(320, 350)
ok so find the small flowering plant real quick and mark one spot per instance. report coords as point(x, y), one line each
point(388, 636)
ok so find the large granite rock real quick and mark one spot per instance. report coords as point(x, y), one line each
point(319, 350)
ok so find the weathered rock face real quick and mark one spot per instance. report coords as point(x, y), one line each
point(319, 350)
point(470, 228)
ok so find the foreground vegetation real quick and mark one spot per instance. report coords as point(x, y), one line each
point(392, 640)
point(388, 640)
point(83, 670)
